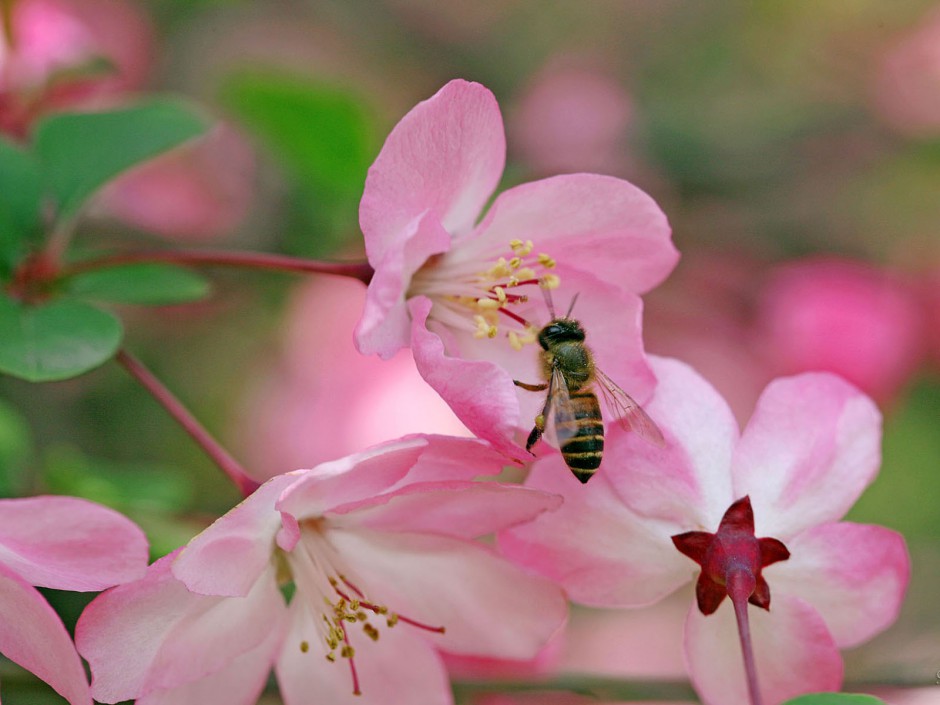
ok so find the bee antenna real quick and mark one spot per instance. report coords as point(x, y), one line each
point(548, 302)
point(571, 305)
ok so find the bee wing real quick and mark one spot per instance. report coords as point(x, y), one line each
point(561, 412)
point(629, 414)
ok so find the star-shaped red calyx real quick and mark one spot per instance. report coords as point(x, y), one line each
point(732, 551)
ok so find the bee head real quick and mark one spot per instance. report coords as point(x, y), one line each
point(560, 330)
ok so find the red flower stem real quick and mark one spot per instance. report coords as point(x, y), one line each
point(740, 585)
point(184, 418)
point(227, 258)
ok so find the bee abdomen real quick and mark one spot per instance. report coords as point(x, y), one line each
point(585, 448)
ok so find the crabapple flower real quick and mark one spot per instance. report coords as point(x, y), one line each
point(62, 543)
point(840, 316)
point(465, 295)
point(378, 548)
point(809, 450)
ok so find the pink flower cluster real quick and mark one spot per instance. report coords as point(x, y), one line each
point(354, 579)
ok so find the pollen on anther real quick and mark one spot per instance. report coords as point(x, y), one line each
point(549, 281)
point(371, 631)
point(304, 646)
point(546, 261)
point(392, 620)
point(347, 651)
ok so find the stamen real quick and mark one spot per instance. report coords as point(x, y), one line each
point(349, 654)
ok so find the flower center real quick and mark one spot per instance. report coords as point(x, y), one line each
point(337, 603)
point(482, 300)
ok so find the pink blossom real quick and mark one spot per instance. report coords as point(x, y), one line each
point(292, 418)
point(840, 316)
point(456, 290)
point(571, 118)
point(378, 547)
point(55, 37)
point(65, 544)
point(907, 84)
point(808, 452)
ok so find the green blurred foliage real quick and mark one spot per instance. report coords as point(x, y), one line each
point(20, 198)
point(143, 284)
point(899, 497)
point(324, 136)
point(15, 451)
point(835, 699)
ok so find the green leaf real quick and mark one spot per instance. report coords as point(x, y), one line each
point(15, 447)
point(20, 198)
point(324, 137)
point(145, 284)
point(55, 341)
point(835, 699)
point(124, 486)
point(80, 152)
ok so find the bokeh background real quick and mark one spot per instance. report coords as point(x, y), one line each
point(794, 146)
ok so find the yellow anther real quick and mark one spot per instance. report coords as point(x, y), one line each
point(516, 244)
point(371, 632)
point(515, 263)
point(362, 616)
point(500, 294)
point(546, 261)
point(347, 651)
point(392, 620)
point(354, 605)
point(514, 341)
point(550, 281)
point(331, 658)
point(525, 273)
point(488, 304)
point(485, 329)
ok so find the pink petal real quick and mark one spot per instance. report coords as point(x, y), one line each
point(488, 606)
point(451, 458)
point(811, 447)
point(601, 225)
point(598, 550)
point(229, 556)
point(687, 483)
point(351, 479)
point(399, 669)
point(33, 636)
point(153, 634)
point(238, 683)
point(445, 156)
point(793, 650)
point(70, 544)
point(854, 575)
point(480, 393)
point(384, 326)
point(458, 509)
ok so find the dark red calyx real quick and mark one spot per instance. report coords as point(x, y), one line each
point(732, 559)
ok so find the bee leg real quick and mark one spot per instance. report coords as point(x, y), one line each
point(536, 433)
point(531, 387)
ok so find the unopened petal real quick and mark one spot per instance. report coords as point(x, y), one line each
point(70, 544)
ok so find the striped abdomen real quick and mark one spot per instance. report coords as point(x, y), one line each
point(584, 447)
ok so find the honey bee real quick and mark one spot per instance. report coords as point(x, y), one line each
point(570, 374)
